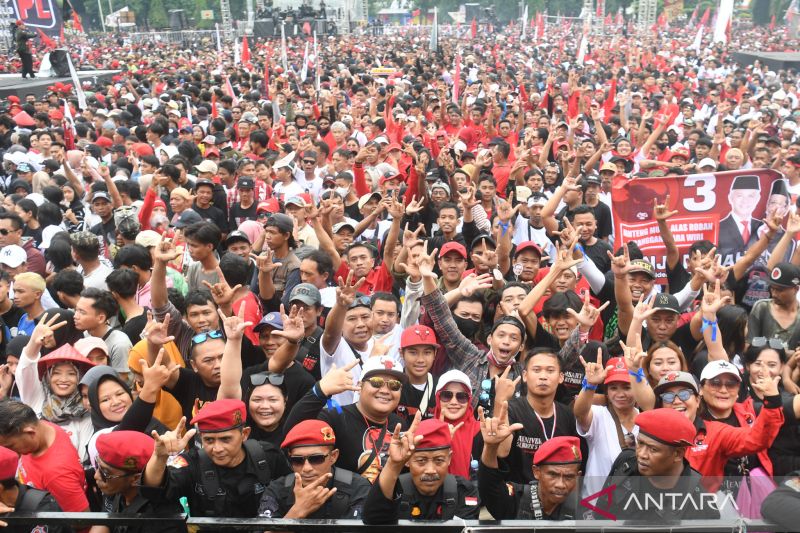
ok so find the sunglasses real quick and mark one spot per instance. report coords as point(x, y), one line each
point(378, 383)
point(757, 342)
point(4, 231)
point(264, 377)
point(361, 301)
point(683, 395)
point(200, 338)
point(447, 395)
point(717, 383)
point(314, 459)
point(309, 161)
point(107, 476)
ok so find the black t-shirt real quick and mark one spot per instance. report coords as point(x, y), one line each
point(353, 212)
point(107, 230)
point(213, 214)
point(35, 234)
point(677, 277)
point(532, 435)
point(238, 214)
point(682, 337)
point(411, 399)
point(189, 388)
point(598, 253)
point(603, 215)
point(133, 327)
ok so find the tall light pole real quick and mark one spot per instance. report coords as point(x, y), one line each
point(102, 19)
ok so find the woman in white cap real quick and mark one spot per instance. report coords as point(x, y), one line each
point(453, 405)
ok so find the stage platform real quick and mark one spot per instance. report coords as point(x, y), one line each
point(774, 60)
point(14, 84)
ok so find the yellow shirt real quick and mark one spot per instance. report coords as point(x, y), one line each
point(167, 408)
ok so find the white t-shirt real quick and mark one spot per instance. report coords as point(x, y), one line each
point(342, 356)
point(604, 448)
point(97, 278)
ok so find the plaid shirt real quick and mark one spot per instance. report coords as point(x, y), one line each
point(462, 353)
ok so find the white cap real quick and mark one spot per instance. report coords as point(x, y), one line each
point(707, 162)
point(459, 147)
point(36, 198)
point(207, 166)
point(453, 376)
point(285, 162)
point(13, 256)
point(716, 368)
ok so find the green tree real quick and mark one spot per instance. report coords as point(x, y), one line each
point(157, 15)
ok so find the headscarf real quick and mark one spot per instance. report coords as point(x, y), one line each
point(93, 378)
point(464, 436)
point(61, 410)
point(252, 229)
point(67, 334)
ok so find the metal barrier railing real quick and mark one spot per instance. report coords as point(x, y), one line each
point(318, 526)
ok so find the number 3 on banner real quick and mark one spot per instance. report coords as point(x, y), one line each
point(704, 188)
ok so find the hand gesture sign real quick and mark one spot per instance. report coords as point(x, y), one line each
point(661, 211)
point(474, 283)
point(504, 388)
point(589, 313)
point(595, 372)
point(426, 263)
point(504, 210)
point(314, 495)
point(165, 251)
point(644, 309)
point(338, 380)
point(634, 355)
point(402, 445)
point(172, 442)
point(563, 260)
point(222, 293)
point(467, 198)
point(293, 328)
point(43, 332)
point(452, 428)
point(235, 324)
point(347, 291)
point(413, 207)
point(495, 430)
point(396, 208)
point(766, 385)
point(158, 375)
point(620, 265)
point(713, 301)
point(264, 261)
point(155, 332)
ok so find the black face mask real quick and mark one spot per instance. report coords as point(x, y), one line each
point(467, 326)
point(662, 146)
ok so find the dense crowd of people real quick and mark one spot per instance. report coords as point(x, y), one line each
point(326, 291)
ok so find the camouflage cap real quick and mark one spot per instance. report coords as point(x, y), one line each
point(84, 238)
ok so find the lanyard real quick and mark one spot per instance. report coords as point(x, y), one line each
point(541, 422)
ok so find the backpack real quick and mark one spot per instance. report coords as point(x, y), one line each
point(450, 496)
point(340, 503)
point(257, 462)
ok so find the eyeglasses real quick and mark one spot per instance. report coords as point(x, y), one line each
point(264, 214)
point(200, 338)
point(263, 377)
point(107, 476)
point(683, 395)
point(314, 459)
point(447, 395)
point(308, 161)
point(757, 342)
point(717, 383)
point(393, 384)
point(4, 231)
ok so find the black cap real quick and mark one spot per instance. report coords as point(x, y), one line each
point(237, 236)
point(245, 183)
point(784, 275)
point(188, 218)
point(666, 302)
point(203, 181)
point(483, 237)
point(283, 222)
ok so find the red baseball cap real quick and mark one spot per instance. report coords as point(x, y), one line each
point(418, 336)
point(617, 371)
point(453, 246)
point(126, 450)
point(270, 205)
point(667, 426)
point(142, 149)
point(9, 460)
point(558, 451)
point(310, 433)
point(220, 415)
point(435, 435)
point(528, 245)
point(391, 175)
point(104, 142)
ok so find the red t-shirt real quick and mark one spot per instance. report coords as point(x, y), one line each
point(252, 313)
point(379, 279)
point(58, 471)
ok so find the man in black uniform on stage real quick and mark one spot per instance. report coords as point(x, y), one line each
point(317, 489)
point(21, 37)
point(556, 467)
point(224, 479)
point(427, 491)
point(21, 498)
point(781, 506)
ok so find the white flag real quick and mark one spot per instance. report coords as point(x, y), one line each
point(284, 59)
point(524, 21)
point(698, 39)
point(77, 84)
point(724, 15)
point(237, 56)
point(304, 69)
point(219, 39)
point(188, 109)
point(582, 50)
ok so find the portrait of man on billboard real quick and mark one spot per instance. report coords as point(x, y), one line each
point(740, 228)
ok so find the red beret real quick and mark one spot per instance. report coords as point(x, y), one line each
point(558, 451)
point(104, 142)
point(8, 463)
point(159, 203)
point(310, 433)
point(220, 415)
point(23, 119)
point(667, 426)
point(435, 435)
point(126, 450)
point(14, 99)
point(418, 336)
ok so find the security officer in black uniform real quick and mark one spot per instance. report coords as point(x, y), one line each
point(657, 466)
point(782, 506)
point(317, 489)
point(121, 458)
point(556, 467)
point(23, 499)
point(427, 491)
point(227, 477)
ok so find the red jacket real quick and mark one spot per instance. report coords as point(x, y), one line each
point(716, 442)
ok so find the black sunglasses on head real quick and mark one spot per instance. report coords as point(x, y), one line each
point(264, 377)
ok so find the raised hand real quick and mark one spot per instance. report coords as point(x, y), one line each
point(661, 211)
point(426, 262)
point(634, 355)
point(589, 313)
point(644, 309)
point(495, 430)
point(293, 328)
point(467, 198)
point(402, 445)
point(42, 334)
point(411, 238)
point(264, 261)
point(564, 260)
point(793, 224)
point(235, 324)
point(595, 372)
point(157, 376)
point(347, 291)
point(165, 251)
point(473, 283)
point(766, 385)
point(314, 495)
point(620, 265)
point(172, 442)
point(157, 333)
point(396, 208)
point(713, 301)
point(221, 292)
point(381, 346)
point(453, 428)
point(413, 207)
point(338, 380)
point(504, 388)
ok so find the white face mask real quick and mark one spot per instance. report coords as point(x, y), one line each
point(343, 191)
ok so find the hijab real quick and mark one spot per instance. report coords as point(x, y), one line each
point(60, 410)
point(464, 436)
point(93, 378)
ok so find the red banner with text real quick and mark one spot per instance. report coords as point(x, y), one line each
point(726, 208)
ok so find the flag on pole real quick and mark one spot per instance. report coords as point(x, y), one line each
point(694, 15)
point(304, 68)
point(539, 26)
point(772, 24)
point(69, 127)
point(47, 41)
point(457, 78)
point(608, 21)
point(791, 11)
point(473, 28)
point(583, 49)
point(77, 84)
point(214, 110)
point(188, 109)
point(524, 21)
point(705, 17)
point(237, 57)
point(219, 39)
point(434, 44)
point(723, 18)
point(245, 55)
point(266, 79)
point(316, 63)
point(284, 58)
point(698, 39)
point(229, 90)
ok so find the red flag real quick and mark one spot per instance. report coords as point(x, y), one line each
point(706, 15)
point(457, 78)
point(473, 28)
point(533, 21)
point(772, 23)
point(619, 19)
point(608, 20)
point(76, 22)
point(539, 25)
point(47, 41)
point(694, 15)
point(61, 35)
point(245, 51)
point(416, 13)
point(599, 11)
point(214, 112)
point(307, 28)
point(266, 79)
